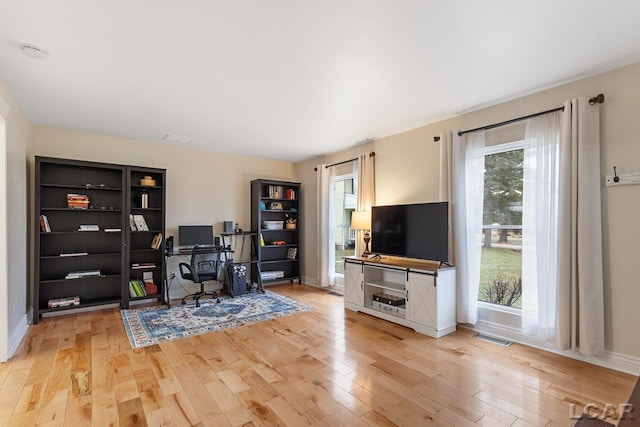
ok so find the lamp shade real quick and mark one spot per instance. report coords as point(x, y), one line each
point(361, 220)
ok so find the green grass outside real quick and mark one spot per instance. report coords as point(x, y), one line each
point(500, 262)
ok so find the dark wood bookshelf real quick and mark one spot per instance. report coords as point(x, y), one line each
point(112, 190)
point(271, 257)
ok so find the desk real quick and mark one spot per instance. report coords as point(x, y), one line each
point(201, 250)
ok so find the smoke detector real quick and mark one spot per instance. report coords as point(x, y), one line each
point(33, 52)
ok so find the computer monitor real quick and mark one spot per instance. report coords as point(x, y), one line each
point(191, 235)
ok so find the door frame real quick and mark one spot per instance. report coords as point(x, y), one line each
point(4, 274)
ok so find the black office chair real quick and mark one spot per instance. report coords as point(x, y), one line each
point(200, 270)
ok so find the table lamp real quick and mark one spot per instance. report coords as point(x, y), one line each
point(361, 220)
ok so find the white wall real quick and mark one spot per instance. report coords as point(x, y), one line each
point(203, 187)
point(407, 171)
point(15, 304)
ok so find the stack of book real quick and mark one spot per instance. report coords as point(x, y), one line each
point(275, 191)
point(83, 273)
point(138, 288)
point(63, 302)
point(89, 227)
point(392, 304)
point(77, 201)
point(137, 265)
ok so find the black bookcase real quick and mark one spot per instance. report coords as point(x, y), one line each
point(73, 260)
point(273, 205)
point(142, 258)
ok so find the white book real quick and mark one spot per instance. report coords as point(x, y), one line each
point(132, 223)
point(84, 273)
point(75, 254)
point(141, 224)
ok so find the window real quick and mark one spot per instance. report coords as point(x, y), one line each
point(345, 202)
point(501, 258)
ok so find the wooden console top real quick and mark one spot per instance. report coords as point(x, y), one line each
point(401, 262)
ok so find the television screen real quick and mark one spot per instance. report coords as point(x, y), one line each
point(414, 231)
point(191, 235)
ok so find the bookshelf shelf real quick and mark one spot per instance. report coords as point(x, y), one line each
point(81, 187)
point(88, 255)
point(81, 279)
point(83, 303)
point(44, 208)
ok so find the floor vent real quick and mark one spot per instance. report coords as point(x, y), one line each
point(493, 340)
point(335, 294)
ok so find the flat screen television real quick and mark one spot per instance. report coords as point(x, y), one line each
point(414, 231)
point(191, 235)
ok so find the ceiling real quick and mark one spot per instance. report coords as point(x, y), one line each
point(294, 79)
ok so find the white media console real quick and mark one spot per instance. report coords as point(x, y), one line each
point(425, 295)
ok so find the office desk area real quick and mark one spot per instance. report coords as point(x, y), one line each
point(188, 251)
point(225, 257)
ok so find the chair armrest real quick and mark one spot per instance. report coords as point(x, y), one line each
point(185, 269)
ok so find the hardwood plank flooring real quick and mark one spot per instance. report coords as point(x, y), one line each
point(327, 367)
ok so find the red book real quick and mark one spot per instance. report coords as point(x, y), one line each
point(151, 288)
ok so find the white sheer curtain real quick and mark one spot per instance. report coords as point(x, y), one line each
point(540, 226)
point(325, 275)
point(366, 189)
point(462, 182)
point(580, 320)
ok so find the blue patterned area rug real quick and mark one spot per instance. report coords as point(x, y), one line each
point(154, 325)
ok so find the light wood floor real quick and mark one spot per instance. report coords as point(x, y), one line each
point(327, 367)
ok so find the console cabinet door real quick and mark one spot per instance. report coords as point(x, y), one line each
point(354, 283)
point(422, 299)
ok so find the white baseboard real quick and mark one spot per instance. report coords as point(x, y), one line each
point(616, 361)
point(17, 335)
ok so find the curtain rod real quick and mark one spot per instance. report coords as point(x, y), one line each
point(372, 154)
point(598, 99)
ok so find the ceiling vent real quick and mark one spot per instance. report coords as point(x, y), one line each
point(180, 139)
point(33, 51)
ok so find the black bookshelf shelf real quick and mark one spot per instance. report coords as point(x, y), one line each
point(81, 187)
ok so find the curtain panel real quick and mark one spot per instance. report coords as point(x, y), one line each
point(366, 190)
point(462, 182)
point(540, 226)
point(580, 316)
point(325, 274)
